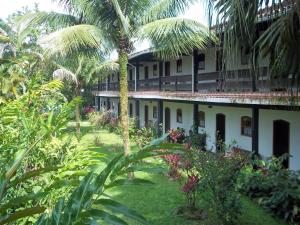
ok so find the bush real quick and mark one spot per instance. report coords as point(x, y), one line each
point(177, 136)
point(274, 187)
point(219, 174)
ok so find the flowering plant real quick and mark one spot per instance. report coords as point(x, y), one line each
point(176, 136)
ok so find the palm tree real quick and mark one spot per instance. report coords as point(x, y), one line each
point(239, 23)
point(82, 71)
point(118, 25)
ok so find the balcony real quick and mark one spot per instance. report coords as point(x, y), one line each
point(238, 81)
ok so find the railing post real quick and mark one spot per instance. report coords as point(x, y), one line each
point(161, 70)
point(255, 130)
point(195, 71)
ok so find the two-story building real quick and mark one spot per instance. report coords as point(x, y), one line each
point(195, 90)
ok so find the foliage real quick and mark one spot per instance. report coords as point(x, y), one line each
point(104, 119)
point(81, 206)
point(176, 135)
point(143, 136)
point(197, 140)
point(274, 187)
point(219, 173)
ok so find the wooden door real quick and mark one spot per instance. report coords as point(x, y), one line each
point(281, 139)
point(167, 119)
point(220, 130)
point(146, 114)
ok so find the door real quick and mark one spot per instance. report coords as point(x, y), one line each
point(167, 119)
point(167, 69)
point(220, 130)
point(146, 116)
point(281, 139)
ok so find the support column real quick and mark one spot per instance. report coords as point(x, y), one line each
point(161, 71)
point(255, 129)
point(137, 113)
point(137, 75)
point(160, 118)
point(99, 103)
point(195, 118)
point(107, 104)
point(195, 71)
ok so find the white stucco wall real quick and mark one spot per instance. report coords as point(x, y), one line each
point(266, 118)
point(187, 115)
point(187, 66)
point(232, 125)
point(150, 105)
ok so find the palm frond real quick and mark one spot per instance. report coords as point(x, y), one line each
point(165, 9)
point(172, 37)
point(74, 39)
point(65, 74)
point(52, 18)
point(102, 70)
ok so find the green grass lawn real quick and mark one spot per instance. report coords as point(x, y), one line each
point(158, 202)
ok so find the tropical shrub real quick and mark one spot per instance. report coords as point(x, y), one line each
point(143, 137)
point(177, 135)
point(275, 188)
point(197, 140)
point(219, 174)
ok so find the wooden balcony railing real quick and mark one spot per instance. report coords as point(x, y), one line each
point(176, 83)
point(229, 81)
point(148, 85)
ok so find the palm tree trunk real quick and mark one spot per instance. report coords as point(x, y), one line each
point(77, 111)
point(123, 60)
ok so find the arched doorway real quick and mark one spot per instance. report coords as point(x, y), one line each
point(281, 139)
point(220, 130)
point(167, 119)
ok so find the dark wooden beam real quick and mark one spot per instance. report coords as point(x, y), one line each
point(99, 100)
point(137, 113)
point(195, 68)
point(255, 130)
point(195, 118)
point(161, 71)
point(160, 121)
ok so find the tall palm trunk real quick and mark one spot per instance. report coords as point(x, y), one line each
point(77, 110)
point(123, 60)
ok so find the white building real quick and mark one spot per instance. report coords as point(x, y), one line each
point(194, 90)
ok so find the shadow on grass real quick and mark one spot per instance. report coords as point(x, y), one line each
point(158, 203)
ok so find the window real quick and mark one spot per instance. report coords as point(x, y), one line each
point(245, 56)
point(130, 110)
point(201, 65)
point(246, 126)
point(179, 65)
point(201, 119)
point(146, 72)
point(155, 112)
point(155, 70)
point(118, 76)
point(179, 116)
point(113, 77)
point(130, 74)
point(113, 106)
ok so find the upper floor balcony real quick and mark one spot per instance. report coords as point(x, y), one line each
point(192, 74)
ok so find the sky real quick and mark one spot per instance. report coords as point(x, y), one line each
point(7, 7)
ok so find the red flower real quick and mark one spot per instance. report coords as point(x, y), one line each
point(191, 183)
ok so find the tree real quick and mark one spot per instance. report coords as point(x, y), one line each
point(117, 25)
point(239, 22)
point(81, 71)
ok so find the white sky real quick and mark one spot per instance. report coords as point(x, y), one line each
point(7, 7)
point(10, 6)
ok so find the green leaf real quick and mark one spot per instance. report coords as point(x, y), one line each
point(21, 214)
point(102, 215)
point(117, 207)
point(136, 181)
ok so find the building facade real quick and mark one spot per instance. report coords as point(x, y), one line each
point(196, 91)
